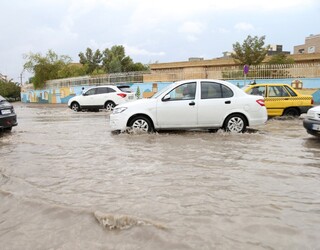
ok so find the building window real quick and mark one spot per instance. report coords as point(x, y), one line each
point(311, 49)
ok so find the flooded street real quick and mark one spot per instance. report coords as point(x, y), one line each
point(67, 183)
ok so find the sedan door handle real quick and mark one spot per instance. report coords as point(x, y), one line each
point(192, 103)
point(227, 102)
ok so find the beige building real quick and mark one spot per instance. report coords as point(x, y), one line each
point(311, 45)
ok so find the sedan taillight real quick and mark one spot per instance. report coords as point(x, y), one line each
point(123, 95)
point(260, 102)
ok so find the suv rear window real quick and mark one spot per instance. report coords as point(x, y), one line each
point(125, 89)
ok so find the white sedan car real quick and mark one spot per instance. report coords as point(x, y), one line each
point(192, 104)
point(101, 97)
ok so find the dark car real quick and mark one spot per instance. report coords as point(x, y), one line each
point(8, 117)
point(312, 121)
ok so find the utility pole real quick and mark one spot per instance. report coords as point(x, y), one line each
point(21, 77)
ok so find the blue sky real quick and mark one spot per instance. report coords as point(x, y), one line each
point(150, 30)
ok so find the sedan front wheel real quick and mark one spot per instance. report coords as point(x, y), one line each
point(141, 124)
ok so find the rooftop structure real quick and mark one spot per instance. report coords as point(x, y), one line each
point(311, 45)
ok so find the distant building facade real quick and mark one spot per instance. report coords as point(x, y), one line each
point(273, 50)
point(311, 45)
point(276, 49)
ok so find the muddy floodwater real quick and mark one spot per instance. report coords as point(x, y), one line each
point(67, 183)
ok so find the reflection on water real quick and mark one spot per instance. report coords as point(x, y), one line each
point(207, 190)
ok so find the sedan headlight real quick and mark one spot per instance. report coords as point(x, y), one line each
point(311, 114)
point(118, 110)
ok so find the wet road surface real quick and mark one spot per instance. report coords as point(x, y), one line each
point(67, 183)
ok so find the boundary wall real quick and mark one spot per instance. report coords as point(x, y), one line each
point(61, 94)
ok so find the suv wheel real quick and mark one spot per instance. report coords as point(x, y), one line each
point(75, 106)
point(109, 105)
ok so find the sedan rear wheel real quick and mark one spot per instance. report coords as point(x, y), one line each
point(235, 123)
point(141, 124)
point(291, 112)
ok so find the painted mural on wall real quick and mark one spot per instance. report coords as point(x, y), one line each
point(142, 90)
point(63, 94)
point(57, 95)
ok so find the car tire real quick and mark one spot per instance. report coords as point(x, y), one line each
point(141, 124)
point(235, 123)
point(291, 112)
point(75, 106)
point(109, 106)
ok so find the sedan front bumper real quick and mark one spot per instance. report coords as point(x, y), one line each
point(312, 126)
point(8, 121)
point(118, 122)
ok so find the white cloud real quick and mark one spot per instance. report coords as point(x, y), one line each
point(223, 30)
point(243, 26)
point(132, 50)
point(192, 27)
point(192, 30)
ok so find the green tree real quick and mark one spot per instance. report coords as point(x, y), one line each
point(139, 67)
point(72, 70)
point(10, 90)
point(115, 60)
point(91, 60)
point(251, 52)
point(280, 58)
point(45, 67)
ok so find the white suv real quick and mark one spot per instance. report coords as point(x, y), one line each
point(101, 97)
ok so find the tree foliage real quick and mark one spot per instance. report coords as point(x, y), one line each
point(113, 60)
point(251, 52)
point(46, 67)
point(10, 90)
point(91, 60)
point(280, 58)
point(51, 66)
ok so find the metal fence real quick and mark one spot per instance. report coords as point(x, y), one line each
point(236, 72)
point(117, 78)
point(207, 72)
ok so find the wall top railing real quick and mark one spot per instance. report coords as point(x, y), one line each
point(263, 71)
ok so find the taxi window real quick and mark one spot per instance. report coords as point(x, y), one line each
point(277, 91)
point(292, 93)
point(257, 90)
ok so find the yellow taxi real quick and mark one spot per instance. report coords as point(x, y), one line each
point(281, 99)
